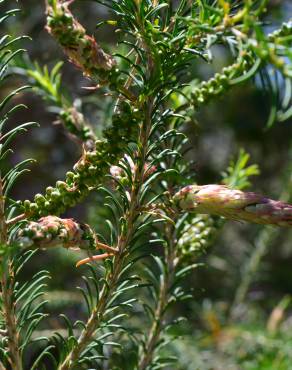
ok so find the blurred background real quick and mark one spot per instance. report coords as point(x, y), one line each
point(241, 314)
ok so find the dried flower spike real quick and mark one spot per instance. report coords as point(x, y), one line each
point(52, 231)
point(81, 48)
point(233, 204)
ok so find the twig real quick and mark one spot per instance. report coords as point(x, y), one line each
point(158, 324)
point(16, 219)
point(124, 240)
point(8, 307)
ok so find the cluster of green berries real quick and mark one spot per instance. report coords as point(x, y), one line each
point(197, 234)
point(87, 174)
point(89, 171)
point(222, 81)
point(125, 123)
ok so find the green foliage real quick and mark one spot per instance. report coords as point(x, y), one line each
point(8, 135)
point(135, 168)
point(47, 82)
point(26, 302)
point(48, 85)
point(238, 173)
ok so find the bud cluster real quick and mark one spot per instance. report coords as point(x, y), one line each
point(222, 81)
point(274, 53)
point(284, 31)
point(52, 231)
point(89, 170)
point(76, 125)
point(120, 174)
point(125, 123)
point(197, 235)
point(81, 49)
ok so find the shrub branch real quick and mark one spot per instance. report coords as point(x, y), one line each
point(7, 283)
point(123, 244)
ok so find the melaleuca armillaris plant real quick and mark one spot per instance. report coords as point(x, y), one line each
point(149, 237)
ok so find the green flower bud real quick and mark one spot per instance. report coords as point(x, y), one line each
point(26, 205)
point(33, 207)
point(39, 199)
point(76, 177)
point(55, 195)
point(47, 204)
point(49, 190)
point(61, 185)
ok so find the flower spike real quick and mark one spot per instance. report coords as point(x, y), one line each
point(82, 49)
point(233, 204)
point(52, 231)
